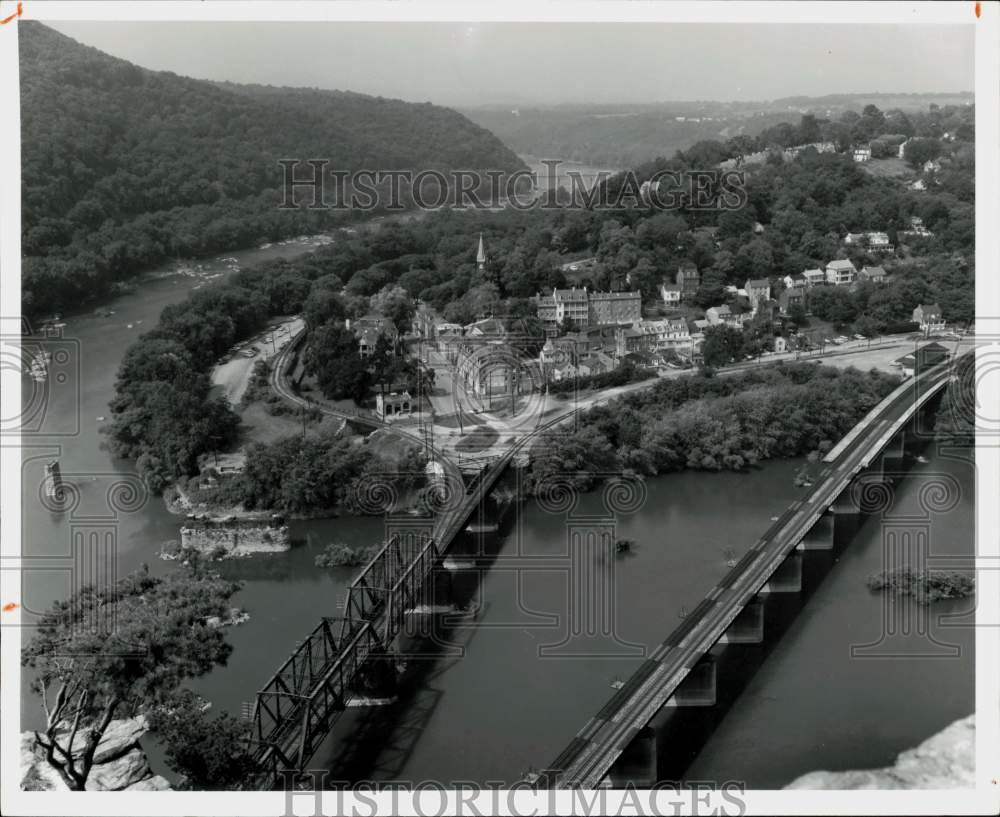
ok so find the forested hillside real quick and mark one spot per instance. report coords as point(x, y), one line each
point(624, 135)
point(124, 167)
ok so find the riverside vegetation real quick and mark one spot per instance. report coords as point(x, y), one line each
point(707, 422)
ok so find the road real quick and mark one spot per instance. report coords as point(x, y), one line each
point(590, 755)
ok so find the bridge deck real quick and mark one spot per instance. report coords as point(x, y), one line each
point(590, 755)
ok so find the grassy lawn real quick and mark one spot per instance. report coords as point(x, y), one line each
point(888, 168)
point(260, 426)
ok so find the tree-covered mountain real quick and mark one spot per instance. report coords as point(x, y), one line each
point(123, 167)
point(624, 135)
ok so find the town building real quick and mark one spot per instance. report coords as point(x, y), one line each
point(780, 344)
point(928, 355)
point(671, 294)
point(481, 255)
point(813, 277)
point(668, 334)
point(569, 307)
point(929, 317)
point(580, 309)
point(840, 272)
point(368, 329)
point(393, 404)
point(757, 290)
point(879, 242)
point(688, 278)
point(862, 153)
point(874, 241)
point(795, 281)
point(917, 228)
point(790, 299)
point(876, 275)
point(614, 308)
point(723, 315)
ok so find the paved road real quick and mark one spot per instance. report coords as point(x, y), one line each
point(587, 759)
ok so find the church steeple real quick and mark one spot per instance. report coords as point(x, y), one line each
point(481, 254)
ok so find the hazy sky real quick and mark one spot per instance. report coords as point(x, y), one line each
point(468, 64)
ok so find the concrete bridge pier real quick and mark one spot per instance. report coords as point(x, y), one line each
point(652, 751)
point(698, 688)
point(787, 578)
point(748, 627)
point(893, 457)
point(637, 764)
point(821, 535)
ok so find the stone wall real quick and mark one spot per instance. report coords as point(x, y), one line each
point(237, 535)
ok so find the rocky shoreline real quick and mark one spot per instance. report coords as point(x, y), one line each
point(946, 760)
point(120, 763)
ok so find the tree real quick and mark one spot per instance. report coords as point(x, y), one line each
point(722, 345)
point(396, 304)
point(797, 314)
point(121, 650)
point(210, 752)
point(832, 304)
point(919, 151)
point(332, 356)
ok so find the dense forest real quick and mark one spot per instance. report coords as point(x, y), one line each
point(123, 167)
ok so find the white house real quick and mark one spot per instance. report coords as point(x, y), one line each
point(840, 272)
point(929, 317)
point(671, 293)
point(862, 153)
point(813, 277)
point(879, 242)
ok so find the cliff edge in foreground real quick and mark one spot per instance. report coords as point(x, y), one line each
point(945, 761)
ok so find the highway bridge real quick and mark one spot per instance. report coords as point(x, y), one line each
point(680, 671)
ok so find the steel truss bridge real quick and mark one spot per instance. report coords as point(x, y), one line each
point(297, 708)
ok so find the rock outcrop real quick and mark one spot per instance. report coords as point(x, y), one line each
point(120, 764)
point(945, 761)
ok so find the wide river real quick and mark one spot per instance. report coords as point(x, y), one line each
point(509, 689)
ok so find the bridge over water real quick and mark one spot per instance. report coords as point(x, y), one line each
point(299, 705)
point(682, 672)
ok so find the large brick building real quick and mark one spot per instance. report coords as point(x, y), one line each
point(581, 309)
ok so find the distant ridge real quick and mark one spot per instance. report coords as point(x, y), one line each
point(124, 167)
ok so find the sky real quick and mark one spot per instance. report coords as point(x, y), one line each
point(468, 64)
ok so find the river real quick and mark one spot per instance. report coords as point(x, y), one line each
point(488, 705)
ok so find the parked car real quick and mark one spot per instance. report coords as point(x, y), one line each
point(860, 337)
